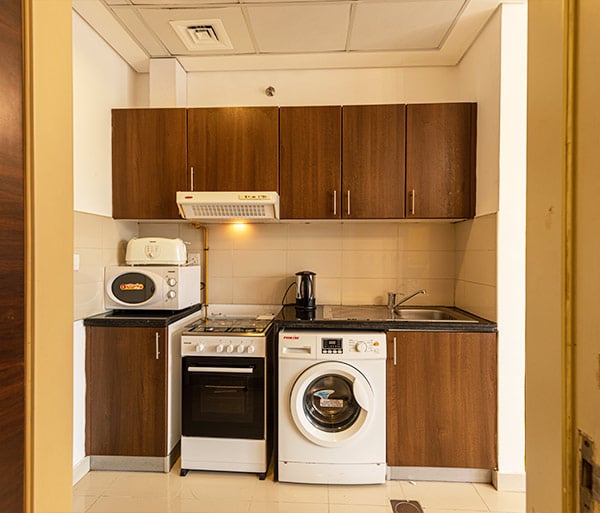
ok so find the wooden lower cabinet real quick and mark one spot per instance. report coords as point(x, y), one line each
point(126, 391)
point(441, 400)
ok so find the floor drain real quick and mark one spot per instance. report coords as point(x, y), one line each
point(406, 507)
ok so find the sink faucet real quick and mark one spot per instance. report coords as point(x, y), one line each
point(392, 298)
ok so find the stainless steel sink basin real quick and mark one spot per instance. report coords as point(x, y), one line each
point(382, 313)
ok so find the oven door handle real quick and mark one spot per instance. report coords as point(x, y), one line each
point(210, 370)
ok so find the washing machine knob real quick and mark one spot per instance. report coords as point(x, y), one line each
point(361, 347)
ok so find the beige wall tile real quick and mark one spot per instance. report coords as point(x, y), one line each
point(219, 236)
point(263, 263)
point(369, 264)
point(88, 300)
point(477, 234)
point(219, 290)
point(369, 236)
point(426, 264)
point(439, 292)
point(91, 266)
point(479, 299)
point(220, 263)
point(115, 233)
point(317, 236)
point(87, 230)
point(476, 266)
point(426, 237)
point(260, 290)
point(328, 292)
point(366, 291)
point(260, 236)
point(324, 263)
point(166, 230)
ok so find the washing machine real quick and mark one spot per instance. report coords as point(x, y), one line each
point(331, 414)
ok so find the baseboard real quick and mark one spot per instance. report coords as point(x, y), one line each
point(508, 482)
point(460, 475)
point(81, 468)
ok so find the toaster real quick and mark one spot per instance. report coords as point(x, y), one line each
point(155, 251)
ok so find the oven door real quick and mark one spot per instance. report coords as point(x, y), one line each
point(223, 397)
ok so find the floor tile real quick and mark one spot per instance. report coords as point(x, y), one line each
point(143, 484)
point(441, 495)
point(269, 491)
point(94, 483)
point(200, 485)
point(81, 503)
point(360, 494)
point(501, 502)
point(209, 505)
point(358, 508)
point(130, 505)
point(288, 507)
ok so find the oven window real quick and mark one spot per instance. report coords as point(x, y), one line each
point(133, 288)
point(223, 397)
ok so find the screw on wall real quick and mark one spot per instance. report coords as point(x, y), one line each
point(270, 91)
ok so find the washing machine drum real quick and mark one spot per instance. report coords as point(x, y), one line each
point(331, 403)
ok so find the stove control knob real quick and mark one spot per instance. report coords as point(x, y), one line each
point(240, 348)
point(230, 348)
point(361, 347)
point(250, 349)
point(171, 282)
point(220, 348)
point(199, 348)
point(171, 294)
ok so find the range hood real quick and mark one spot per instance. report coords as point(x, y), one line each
point(229, 206)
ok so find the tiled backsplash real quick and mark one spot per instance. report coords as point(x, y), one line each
point(476, 266)
point(99, 241)
point(356, 263)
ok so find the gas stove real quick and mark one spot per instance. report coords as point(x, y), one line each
point(230, 330)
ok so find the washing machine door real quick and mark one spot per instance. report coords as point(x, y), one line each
point(331, 403)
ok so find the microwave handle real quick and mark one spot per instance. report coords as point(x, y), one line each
point(210, 370)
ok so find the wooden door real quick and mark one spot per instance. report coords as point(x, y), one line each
point(12, 270)
point(310, 162)
point(441, 400)
point(234, 148)
point(373, 161)
point(149, 162)
point(440, 160)
point(126, 391)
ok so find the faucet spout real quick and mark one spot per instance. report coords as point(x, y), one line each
point(410, 296)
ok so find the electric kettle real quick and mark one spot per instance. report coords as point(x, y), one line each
point(305, 290)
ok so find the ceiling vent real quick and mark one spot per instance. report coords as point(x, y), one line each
point(202, 35)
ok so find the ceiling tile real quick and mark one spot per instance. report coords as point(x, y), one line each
point(231, 17)
point(402, 25)
point(307, 27)
point(140, 31)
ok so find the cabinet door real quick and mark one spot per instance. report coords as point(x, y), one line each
point(440, 160)
point(126, 391)
point(310, 162)
point(373, 161)
point(441, 400)
point(234, 149)
point(148, 162)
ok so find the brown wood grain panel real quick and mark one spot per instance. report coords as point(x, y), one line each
point(310, 162)
point(440, 160)
point(149, 162)
point(234, 148)
point(441, 400)
point(126, 392)
point(373, 161)
point(12, 264)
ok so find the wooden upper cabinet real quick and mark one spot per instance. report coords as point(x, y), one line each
point(310, 162)
point(441, 400)
point(440, 160)
point(373, 161)
point(148, 162)
point(234, 148)
point(126, 391)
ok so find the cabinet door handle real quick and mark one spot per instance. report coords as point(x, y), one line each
point(335, 203)
point(412, 202)
point(348, 202)
point(156, 337)
point(191, 178)
point(394, 351)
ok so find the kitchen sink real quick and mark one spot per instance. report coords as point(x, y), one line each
point(383, 313)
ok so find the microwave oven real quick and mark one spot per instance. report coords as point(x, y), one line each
point(151, 287)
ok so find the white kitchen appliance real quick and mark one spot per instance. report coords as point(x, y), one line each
point(155, 251)
point(225, 388)
point(331, 407)
point(229, 206)
point(151, 287)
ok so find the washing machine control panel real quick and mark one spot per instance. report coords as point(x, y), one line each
point(333, 345)
point(351, 344)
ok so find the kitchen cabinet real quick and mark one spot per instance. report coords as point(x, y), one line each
point(149, 162)
point(441, 399)
point(373, 161)
point(342, 162)
point(440, 160)
point(234, 148)
point(310, 162)
point(127, 391)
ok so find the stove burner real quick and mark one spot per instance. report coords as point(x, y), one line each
point(234, 326)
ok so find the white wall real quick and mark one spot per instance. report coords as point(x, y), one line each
point(101, 81)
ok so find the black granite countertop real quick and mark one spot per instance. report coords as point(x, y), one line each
point(140, 318)
point(288, 319)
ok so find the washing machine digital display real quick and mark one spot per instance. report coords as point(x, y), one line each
point(331, 346)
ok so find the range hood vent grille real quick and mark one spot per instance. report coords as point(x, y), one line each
point(229, 206)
